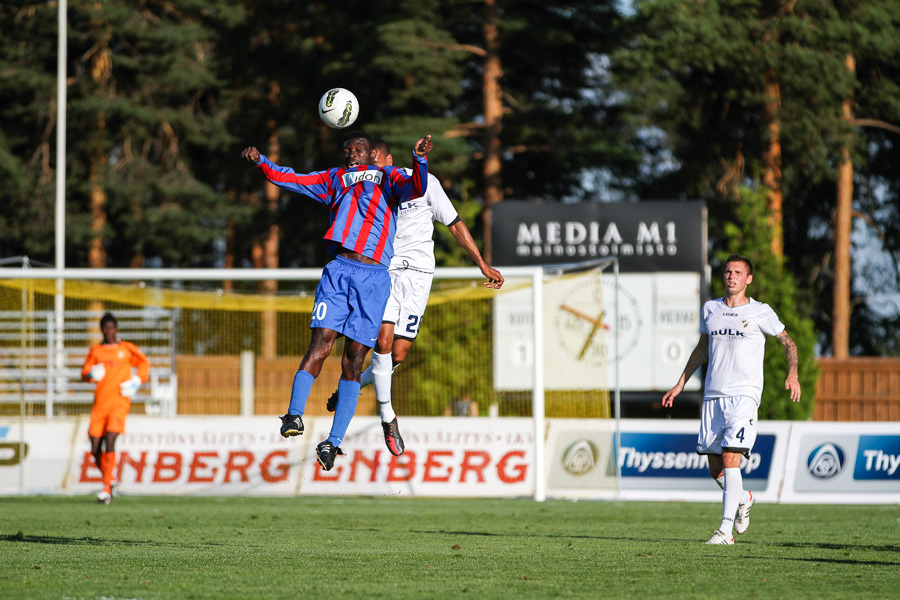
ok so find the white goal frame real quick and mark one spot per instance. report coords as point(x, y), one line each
point(536, 274)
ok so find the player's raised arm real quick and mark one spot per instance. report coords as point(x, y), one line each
point(423, 146)
point(464, 237)
point(693, 363)
point(251, 154)
point(420, 166)
point(792, 382)
point(314, 185)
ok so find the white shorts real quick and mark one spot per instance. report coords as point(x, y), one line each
point(406, 306)
point(729, 424)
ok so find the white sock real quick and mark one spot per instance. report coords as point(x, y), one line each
point(745, 497)
point(382, 369)
point(730, 498)
point(366, 377)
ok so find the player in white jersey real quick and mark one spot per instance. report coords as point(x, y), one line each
point(732, 333)
point(411, 271)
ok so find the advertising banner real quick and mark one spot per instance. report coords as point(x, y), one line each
point(843, 463)
point(658, 326)
point(450, 457)
point(793, 462)
point(40, 465)
point(208, 456)
point(580, 458)
point(658, 460)
point(644, 236)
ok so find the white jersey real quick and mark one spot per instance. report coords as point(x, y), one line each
point(737, 347)
point(413, 243)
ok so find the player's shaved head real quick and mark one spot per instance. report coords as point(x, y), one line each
point(358, 135)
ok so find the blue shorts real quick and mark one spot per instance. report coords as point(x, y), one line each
point(351, 298)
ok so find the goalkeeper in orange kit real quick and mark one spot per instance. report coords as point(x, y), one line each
point(111, 366)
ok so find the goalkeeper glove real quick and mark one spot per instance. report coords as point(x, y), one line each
point(129, 388)
point(97, 372)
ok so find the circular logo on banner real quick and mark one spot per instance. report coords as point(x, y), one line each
point(580, 457)
point(826, 461)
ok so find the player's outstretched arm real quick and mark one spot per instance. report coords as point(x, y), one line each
point(423, 146)
point(792, 382)
point(419, 170)
point(693, 363)
point(464, 237)
point(251, 154)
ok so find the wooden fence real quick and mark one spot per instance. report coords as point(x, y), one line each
point(855, 389)
point(858, 389)
point(210, 385)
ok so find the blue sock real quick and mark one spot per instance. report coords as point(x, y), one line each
point(348, 395)
point(300, 392)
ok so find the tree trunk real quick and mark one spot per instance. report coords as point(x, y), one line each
point(101, 70)
point(97, 249)
point(772, 163)
point(270, 243)
point(493, 116)
point(842, 228)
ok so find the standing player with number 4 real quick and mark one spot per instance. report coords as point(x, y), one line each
point(412, 271)
point(732, 332)
point(111, 366)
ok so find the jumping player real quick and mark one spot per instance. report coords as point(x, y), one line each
point(412, 271)
point(111, 366)
point(351, 296)
point(732, 331)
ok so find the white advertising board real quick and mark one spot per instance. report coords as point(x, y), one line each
point(658, 326)
point(450, 457)
point(853, 463)
point(793, 462)
point(207, 456)
point(657, 461)
point(40, 465)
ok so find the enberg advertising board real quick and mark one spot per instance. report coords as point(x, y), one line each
point(645, 236)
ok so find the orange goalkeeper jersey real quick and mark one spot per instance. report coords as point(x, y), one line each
point(118, 359)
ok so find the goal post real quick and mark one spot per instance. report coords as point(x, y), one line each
point(203, 336)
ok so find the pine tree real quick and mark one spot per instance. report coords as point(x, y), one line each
point(27, 134)
point(747, 233)
point(712, 87)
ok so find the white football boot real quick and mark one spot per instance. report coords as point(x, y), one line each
point(720, 538)
point(742, 518)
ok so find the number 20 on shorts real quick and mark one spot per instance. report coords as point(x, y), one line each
point(319, 311)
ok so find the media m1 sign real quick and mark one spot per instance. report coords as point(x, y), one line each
point(645, 236)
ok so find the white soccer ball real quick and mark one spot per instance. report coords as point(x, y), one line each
point(338, 108)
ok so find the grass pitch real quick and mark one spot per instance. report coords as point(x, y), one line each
point(184, 547)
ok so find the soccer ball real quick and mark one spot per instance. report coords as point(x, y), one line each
point(338, 108)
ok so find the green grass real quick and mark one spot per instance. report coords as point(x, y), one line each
point(178, 547)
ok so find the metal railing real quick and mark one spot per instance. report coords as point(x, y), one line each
point(45, 370)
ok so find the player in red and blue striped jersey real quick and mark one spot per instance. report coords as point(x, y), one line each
point(355, 286)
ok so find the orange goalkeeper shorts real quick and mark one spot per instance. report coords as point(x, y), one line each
point(108, 417)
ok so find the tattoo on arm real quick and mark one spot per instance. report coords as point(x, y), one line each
point(790, 350)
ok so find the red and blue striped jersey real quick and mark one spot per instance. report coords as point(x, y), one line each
point(363, 201)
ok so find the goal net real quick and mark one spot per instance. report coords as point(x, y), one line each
point(222, 347)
